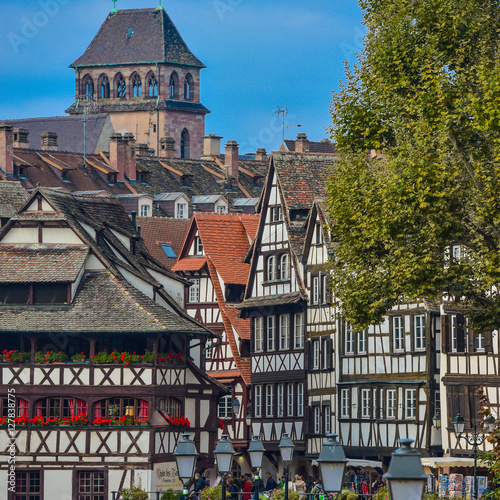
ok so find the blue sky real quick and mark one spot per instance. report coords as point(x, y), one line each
point(260, 54)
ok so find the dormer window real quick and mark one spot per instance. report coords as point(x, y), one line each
point(34, 294)
point(145, 210)
point(198, 246)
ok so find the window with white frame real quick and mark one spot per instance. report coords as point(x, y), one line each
point(285, 266)
point(315, 355)
point(225, 407)
point(419, 332)
point(258, 401)
point(454, 334)
point(457, 252)
point(300, 400)
point(181, 211)
point(362, 342)
point(366, 403)
point(345, 403)
point(319, 234)
point(198, 246)
point(317, 420)
point(271, 268)
point(284, 331)
point(324, 289)
point(326, 351)
point(269, 400)
point(479, 342)
point(258, 329)
point(289, 397)
point(390, 403)
point(411, 403)
point(315, 290)
point(349, 339)
point(221, 209)
point(145, 210)
point(276, 214)
point(271, 333)
point(280, 400)
point(398, 334)
point(327, 419)
point(298, 330)
point(194, 290)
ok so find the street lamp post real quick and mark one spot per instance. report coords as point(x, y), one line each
point(256, 452)
point(406, 475)
point(286, 447)
point(475, 439)
point(224, 453)
point(185, 455)
point(332, 462)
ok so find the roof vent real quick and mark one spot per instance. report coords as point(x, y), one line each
point(130, 32)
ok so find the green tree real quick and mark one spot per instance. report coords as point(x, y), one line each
point(425, 95)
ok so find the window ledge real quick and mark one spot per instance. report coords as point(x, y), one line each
point(275, 282)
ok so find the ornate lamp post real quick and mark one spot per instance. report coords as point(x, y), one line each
point(332, 462)
point(436, 420)
point(224, 453)
point(475, 439)
point(256, 451)
point(286, 447)
point(185, 455)
point(406, 475)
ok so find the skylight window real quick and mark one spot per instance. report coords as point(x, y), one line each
point(169, 251)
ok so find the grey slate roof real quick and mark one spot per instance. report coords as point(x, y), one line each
point(154, 39)
point(69, 130)
point(12, 198)
point(41, 264)
point(103, 303)
point(323, 146)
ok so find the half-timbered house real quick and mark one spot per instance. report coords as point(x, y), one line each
point(97, 367)
point(212, 258)
point(320, 330)
point(276, 301)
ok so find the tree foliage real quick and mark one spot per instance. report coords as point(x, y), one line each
point(425, 95)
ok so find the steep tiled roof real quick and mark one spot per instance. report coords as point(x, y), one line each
point(189, 264)
point(225, 241)
point(154, 39)
point(115, 305)
point(158, 230)
point(12, 198)
point(39, 264)
point(69, 130)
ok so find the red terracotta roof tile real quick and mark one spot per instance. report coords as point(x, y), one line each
point(189, 264)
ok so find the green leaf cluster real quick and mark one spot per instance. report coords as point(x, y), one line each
point(417, 123)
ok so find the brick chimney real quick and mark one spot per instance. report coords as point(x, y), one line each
point(21, 138)
point(49, 141)
point(142, 149)
point(129, 150)
point(167, 147)
point(231, 153)
point(301, 143)
point(6, 146)
point(211, 145)
point(117, 155)
point(261, 155)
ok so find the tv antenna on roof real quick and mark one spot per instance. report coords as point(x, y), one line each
point(89, 107)
point(284, 112)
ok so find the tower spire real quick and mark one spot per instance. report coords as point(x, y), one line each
point(114, 6)
point(159, 5)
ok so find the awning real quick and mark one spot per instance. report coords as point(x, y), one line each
point(437, 462)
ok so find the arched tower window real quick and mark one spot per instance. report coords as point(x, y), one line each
point(185, 144)
point(174, 80)
point(188, 87)
point(104, 87)
point(120, 86)
point(152, 84)
point(136, 84)
point(88, 86)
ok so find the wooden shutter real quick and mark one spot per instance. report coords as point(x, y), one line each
point(461, 333)
point(329, 350)
point(307, 419)
point(488, 342)
point(445, 333)
point(309, 353)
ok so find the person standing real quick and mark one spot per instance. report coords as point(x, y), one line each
point(300, 487)
point(232, 489)
point(246, 488)
point(317, 490)
point(271, 484)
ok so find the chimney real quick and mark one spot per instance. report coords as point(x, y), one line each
point(21, 138)
point(301, 143)
point(49, 141)
point(6, 146)
point(117, 155)
point(231, 153)
point(167, 147)
point(211, 145)
point(261, 155)
point(142, 149)
point(129, 153)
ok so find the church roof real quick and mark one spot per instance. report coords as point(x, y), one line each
point(137, 36)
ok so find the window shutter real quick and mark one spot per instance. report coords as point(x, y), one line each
point(329, 350)
point(460, 333)
point(342, 335)
point(307, 419)
point(488, 342)
point(309, 355)
point(445, 333)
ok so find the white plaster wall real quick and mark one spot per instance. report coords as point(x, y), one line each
point(58, 484)
point(124, 239)
point(21, 235)
point(60, 236)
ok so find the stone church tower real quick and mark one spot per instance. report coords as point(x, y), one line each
point(139, 70)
